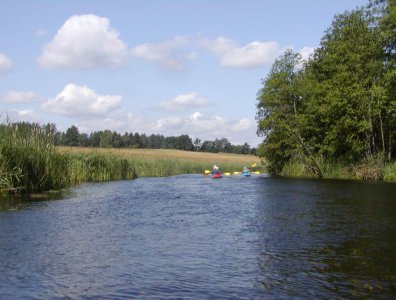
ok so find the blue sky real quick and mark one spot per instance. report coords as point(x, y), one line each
point(170, 67)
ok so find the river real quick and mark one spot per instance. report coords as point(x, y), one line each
point(193, 237)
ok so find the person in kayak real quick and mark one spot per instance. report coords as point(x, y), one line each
point(215, 170)
point(245, 169)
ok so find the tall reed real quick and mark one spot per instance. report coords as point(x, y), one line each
point(29, 163)
point(28, 159)
point(371, 168)
point(98, 167)
point(390, 171)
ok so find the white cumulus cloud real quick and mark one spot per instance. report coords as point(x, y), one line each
point(26, 115)
point(168, 54)
point(5, 63)
point(243, 125)
point(306, 52)
point(231, 54)
point(119, 120)
point(76, 100)
point(13, 97)
point(204, 127)
point(184, 102)
point(83, 42)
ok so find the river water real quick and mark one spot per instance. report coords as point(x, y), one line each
point(193, 237)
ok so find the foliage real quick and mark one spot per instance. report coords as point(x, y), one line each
point(340, 105)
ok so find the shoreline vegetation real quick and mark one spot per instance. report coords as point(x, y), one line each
point(333, 115)
point(368, 169)
point(168, 162)
point(31, 163)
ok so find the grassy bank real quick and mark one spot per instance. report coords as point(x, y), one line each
point(30, 163)
point(166, 162)
point(369, 169)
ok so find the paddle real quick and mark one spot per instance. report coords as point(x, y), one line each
point(207, 172)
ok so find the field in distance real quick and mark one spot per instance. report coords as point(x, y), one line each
point(155, 154)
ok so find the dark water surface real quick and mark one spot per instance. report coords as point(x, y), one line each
point(192, 237)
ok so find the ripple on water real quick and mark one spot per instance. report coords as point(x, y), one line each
point(192, 237)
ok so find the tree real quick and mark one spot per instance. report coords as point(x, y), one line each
point(106, 139)
point(346, 69)
point(184, 142)
point(207, 146)
point(279, 114)
point(71, 137)
point(383, 17)
point(341, 103)
point(197, 144)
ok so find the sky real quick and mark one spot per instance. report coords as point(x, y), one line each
point(168, 67)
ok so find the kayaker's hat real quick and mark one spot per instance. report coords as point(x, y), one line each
point(215, 167)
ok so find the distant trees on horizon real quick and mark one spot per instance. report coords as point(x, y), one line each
point(112, 139)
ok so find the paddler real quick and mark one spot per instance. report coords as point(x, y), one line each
point(215, 169)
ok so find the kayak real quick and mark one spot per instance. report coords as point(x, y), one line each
point(246, 174)
point(217, 175)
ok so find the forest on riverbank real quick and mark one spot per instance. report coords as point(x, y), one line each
point(334, 115)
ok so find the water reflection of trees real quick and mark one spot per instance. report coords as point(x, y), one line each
point(326, 238)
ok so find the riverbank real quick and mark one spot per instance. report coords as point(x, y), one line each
point(167, 162)
point(369, 169)
point(30, 163)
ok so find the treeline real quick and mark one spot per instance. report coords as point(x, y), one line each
point(111, 139)
point(339, 107)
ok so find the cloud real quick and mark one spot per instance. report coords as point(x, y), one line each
point(306, 52)
point(243, 125)
point(26, 115)
point(13, 97)
point(119, 120)
point(209, 128)
point(84, 42)
point(183, 102)
point(231, 54)
point(77, 100)
point(5, 63)
point(40, 33)
point(167, 54)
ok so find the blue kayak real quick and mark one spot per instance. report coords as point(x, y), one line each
point(246, 173)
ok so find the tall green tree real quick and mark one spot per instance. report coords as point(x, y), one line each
point(344, 105)
point(341, 104)
point(383, 14)
point(71, 137)
point(280, 113)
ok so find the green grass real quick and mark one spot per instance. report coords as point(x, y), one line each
point(390, 172)
point(372, 168)
point(29, 163)
point(168, 167)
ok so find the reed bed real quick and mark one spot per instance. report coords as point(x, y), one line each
point(168, 167)
point(167, 162)
point(29, 163)
point(373, 168)
point(390, 172)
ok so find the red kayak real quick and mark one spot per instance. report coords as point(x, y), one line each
point(217, 175)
